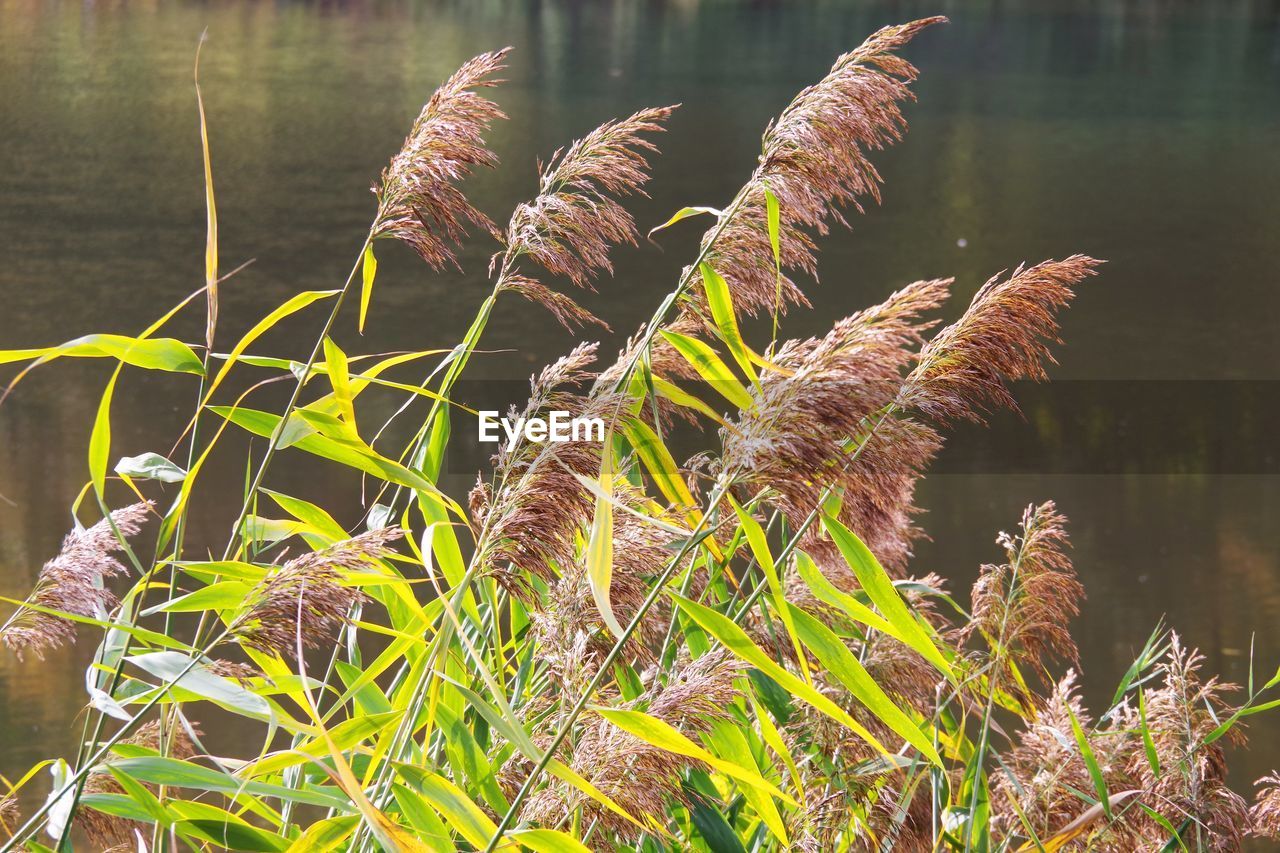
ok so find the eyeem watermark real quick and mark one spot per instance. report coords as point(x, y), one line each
point(559, 427)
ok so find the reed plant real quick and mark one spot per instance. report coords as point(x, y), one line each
point(599, 648)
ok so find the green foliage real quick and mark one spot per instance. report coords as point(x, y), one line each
point(605, 652)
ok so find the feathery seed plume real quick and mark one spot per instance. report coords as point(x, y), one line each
point(575, 219)
point(418, 200)
point(795, 439)
point(72, 582)
point(10, 817)
point(1181, 714)
point(814, 162)
point(639, 777)
point(533, 520)
point(1265, 813)
point(1001, 337)
point(1047, 768)
point(1022, 607)
point(306, 598)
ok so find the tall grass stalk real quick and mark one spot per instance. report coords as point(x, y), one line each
point(600, 647)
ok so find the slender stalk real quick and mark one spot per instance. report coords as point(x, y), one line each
point(34, 822)
point(238, 528)
point(659, 587)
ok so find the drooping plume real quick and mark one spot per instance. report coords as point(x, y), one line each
point(533, 515)
point(575, 220)
point(1264, 815)
point(418, 198)
point(1023, 606)
point(1003, 336)
point(814, 163)
point(306, 598)
point(72, 582)
point(796, 439)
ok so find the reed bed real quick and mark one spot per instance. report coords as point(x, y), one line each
point(600, 648)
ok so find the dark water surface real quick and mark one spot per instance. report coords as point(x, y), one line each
point(1146, 133)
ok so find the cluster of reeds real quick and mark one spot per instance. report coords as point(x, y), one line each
point(606, 649)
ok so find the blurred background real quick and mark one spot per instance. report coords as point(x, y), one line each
point(1145, 133)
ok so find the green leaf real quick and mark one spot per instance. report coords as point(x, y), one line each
point(100, 438)
point(730, 743)
point(465, 754)
point(711, 823)
point(291, 305)
point(676, 394)
point(826, 591)
point(458, 810)
point(150, 466)
point(880, 589)
point(345, 735)
point(177, 670)
point(736, 640)
point(369, 272)
point(235, 836)
point(722, 312)
point(426, 824)
point(118, 805)
point(549, 841)
point(140, 795)
point(685, 213)
point(663, 735)
point(176, 773)
point(657, 459)
point(325, 834)
point(340, 377)
point(773, 219)
point(348, 453)
point(1090, 762)
point(164, 354)
point(224, 595)
point(600, 544)
point(760, 549)
point(709, 366)
point(844, 665)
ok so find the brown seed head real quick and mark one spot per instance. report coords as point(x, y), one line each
point(814, 162)
point(575, 219)
point(305, 598)
point(1023, 606)
point(803, 428)
point(72, 582)
point(1001, 337)
point(1265, 813)
point(418, 198)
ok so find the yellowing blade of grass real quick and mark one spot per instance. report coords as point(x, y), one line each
point(600, 544)
point(880, 589)
point(736, 640)
point(711, 368)
point(663, 735)
point(211, 212)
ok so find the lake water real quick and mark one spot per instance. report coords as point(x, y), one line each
point(1146, 133)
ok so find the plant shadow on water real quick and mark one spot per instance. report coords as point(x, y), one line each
point(1014, 151)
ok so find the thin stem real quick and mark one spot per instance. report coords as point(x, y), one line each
point(238, 528)
point(659, 587)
